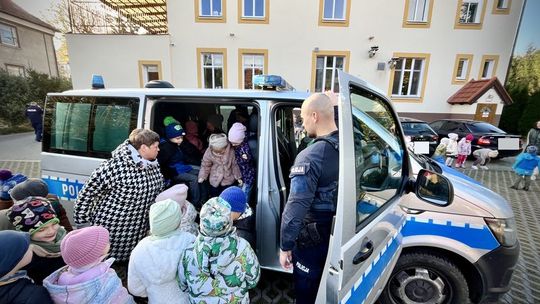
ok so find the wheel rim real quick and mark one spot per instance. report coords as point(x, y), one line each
point(418, 285)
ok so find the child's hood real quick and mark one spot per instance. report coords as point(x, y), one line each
point(453, 136)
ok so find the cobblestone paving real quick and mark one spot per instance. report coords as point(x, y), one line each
point(277, 287)
point(526, 206)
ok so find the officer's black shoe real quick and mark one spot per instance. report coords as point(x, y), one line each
point(525, 189)
point(514, 187)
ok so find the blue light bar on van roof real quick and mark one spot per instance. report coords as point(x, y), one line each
point(97, 82)
point(271, 82)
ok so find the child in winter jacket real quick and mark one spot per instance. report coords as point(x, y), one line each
point(483, 157)
point(464, 150)
point(440, 151)
point(220, 266)
point(178, 193)
point(524, 166)
point(192, 135)
point(219, 165)
point(15, 285)
point(153, 265)
point(7, 182)
point(451, 149)
point(174, 161)
point(241, 213)
point(34, 187)
point(244, 158)
point(36, 216)
point(86, 278)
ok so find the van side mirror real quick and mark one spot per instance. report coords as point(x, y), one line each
point(434, 188)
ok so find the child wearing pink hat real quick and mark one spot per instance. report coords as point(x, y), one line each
point(86, 278)
point(244, 158)
point(464, 150)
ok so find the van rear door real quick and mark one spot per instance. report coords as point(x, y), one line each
point(79, 133)
point(366, 240)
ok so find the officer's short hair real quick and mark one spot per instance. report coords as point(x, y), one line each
point(139, 137)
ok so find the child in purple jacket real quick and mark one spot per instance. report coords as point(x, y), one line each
point(244, 158)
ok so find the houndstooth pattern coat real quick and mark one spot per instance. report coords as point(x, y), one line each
point(118, 196)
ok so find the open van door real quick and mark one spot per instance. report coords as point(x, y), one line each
point(366, 240)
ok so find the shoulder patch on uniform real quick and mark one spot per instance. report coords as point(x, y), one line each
point(299, 169)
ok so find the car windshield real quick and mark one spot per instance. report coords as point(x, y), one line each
point(484, 127)
point(426, 162)
point(416, 128)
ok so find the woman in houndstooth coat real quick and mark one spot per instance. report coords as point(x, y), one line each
point(119, 193)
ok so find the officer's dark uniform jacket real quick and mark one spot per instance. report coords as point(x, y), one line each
point(34, 114)
point(313, 195)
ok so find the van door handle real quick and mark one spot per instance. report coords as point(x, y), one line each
point(363, 254)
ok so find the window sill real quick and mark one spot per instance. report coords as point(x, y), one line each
point(412, 99)
point(210, 19)
point(255, 20)
point(501, 11)
point(10, 46)
point(416, 24)
point(334, 22)
point(468, 26)
point(459, 81)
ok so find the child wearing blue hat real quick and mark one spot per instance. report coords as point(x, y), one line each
point(241, 213)
point(176, 158)
point(15, 285)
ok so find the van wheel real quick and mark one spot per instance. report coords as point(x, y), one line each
point(425, 278)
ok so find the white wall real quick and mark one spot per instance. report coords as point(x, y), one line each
point(115, 57)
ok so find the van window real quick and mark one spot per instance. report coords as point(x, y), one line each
point(378, 155)
point(88, 126)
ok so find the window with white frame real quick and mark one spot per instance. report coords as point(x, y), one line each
point(252, 64)
point(150, 72)
point(334, 9)
point(461, 72)
point(8, 35)
point(212, 70)
point(470, 12)
point(326, 73)
point(253, 9)
point(487, 68)
point(210, 8)
point(408, 74)
point(418, 11)
point(502, 4)
point(15, 70)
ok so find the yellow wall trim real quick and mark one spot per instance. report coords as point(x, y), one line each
point(469, 57)
point(204, 19)
point(339, 23)
point(495, 59)
point(242, 52)
point(415, 24)
point(254, 20)
point(420, 98)
point(148, 62)
point(346, 54)
point(471, 26)
point(222, 51)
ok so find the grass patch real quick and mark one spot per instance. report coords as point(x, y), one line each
point(4, 130)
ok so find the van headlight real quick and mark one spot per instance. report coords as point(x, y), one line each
point(505, 230)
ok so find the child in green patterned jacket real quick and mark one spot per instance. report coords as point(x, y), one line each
point(219, 267)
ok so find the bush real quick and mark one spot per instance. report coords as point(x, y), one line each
point(531, 114)
point(16, 92)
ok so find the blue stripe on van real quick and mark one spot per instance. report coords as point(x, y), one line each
point(64, 188)
point(479, 237)
point(370, 277)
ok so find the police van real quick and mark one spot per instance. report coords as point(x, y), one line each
point(403, 232)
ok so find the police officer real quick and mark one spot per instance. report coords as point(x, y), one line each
point(35, 114)
point(307, 218)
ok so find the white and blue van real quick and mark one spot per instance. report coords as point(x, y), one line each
point(403, 232)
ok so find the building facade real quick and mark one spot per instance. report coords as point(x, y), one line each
point(26, 42)
point(420, 52)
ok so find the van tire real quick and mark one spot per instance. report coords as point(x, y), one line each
point(422, 274)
